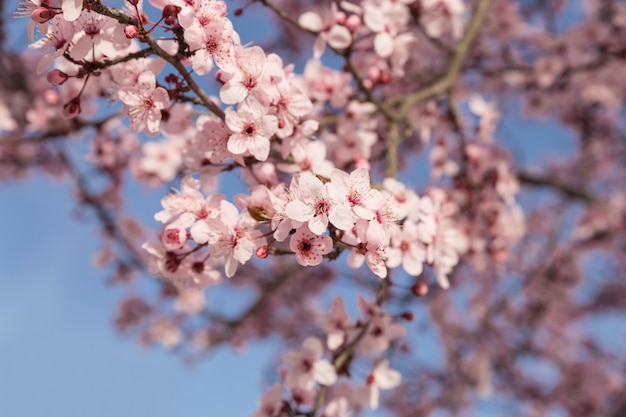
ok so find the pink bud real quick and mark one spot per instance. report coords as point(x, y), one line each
point(408, 316)
point(373, 73)
point(353, 22)
point(51, 97)
point(419, 289)
point(72, 108)
point(263, 251)
point(340, 18)
point(56, 77)
point(42, 14)
point(170, 14)
point(361, 162)
point(131, 31)
point(133, 2)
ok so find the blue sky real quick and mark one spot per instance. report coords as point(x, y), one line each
point(59, 354)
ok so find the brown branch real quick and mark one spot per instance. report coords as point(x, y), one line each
point(445, 82)
point(570, 191)
point(145, 37)
point(342, 359)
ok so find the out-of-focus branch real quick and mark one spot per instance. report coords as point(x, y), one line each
point(106, 219)
point(566, 189)
point(342, 359)
point(445, 81)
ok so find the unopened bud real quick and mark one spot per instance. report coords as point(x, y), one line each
point(263, 251)
point(238, 12)
point(42, 14)
point(170, 14)
point(131, 31)
point(56, 77)
point(419, 289)
point(133, 2)
point(408, 316)
point(353, 22)
point(72, 108)
point(340, 18)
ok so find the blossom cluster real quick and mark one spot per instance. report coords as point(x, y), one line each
point(311, 183)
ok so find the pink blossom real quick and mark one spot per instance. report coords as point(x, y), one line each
point(246, 76)
point(306, 366)
point(313, 204)
point(144, 103)
point(406, 249)
point(271, 404)
point(57, 40)
point(338, 407)
point(229, 237)
point(309, 247)
point(252, 129)
point(380, 333)
point(336, 324)
point(357, 191)
point(337, 36)
point(209, 43)
point(381, 377)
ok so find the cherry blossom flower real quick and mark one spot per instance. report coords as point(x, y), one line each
point(252, 129)
point(144, 103)
point(337, 36)
point(314, 204)
point(380, 333)
point(271, 404)
point(246, 76)
point(336, 324)
point(229, 237)
point(338, 407)
point(57, 40)
point(308, 156)
point(441, 16)
point(356, 188)
point(97, 33)
point(381, 377)
point(209, 43)
point(309, 247)
point(386, 19)
point(306, 366)
point(406, 249)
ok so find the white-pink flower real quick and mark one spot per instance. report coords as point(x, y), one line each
point(336, 324)
point(306, 366)
point(252, 129)
point(246, 75)
point(211, 43)
point(309, 247)
point(313, 204)
point(144, 103)
point(381, 377)
point(271, 403)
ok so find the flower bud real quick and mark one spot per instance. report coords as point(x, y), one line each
point(419, 289)
point(408, 316)
point(170, 14)
point(72, 108)
point(42, 14)
point(263, 251)
point(56, 77)
point(340, 18)
point(133, 2)
point(131, 31)
point(353, 22)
